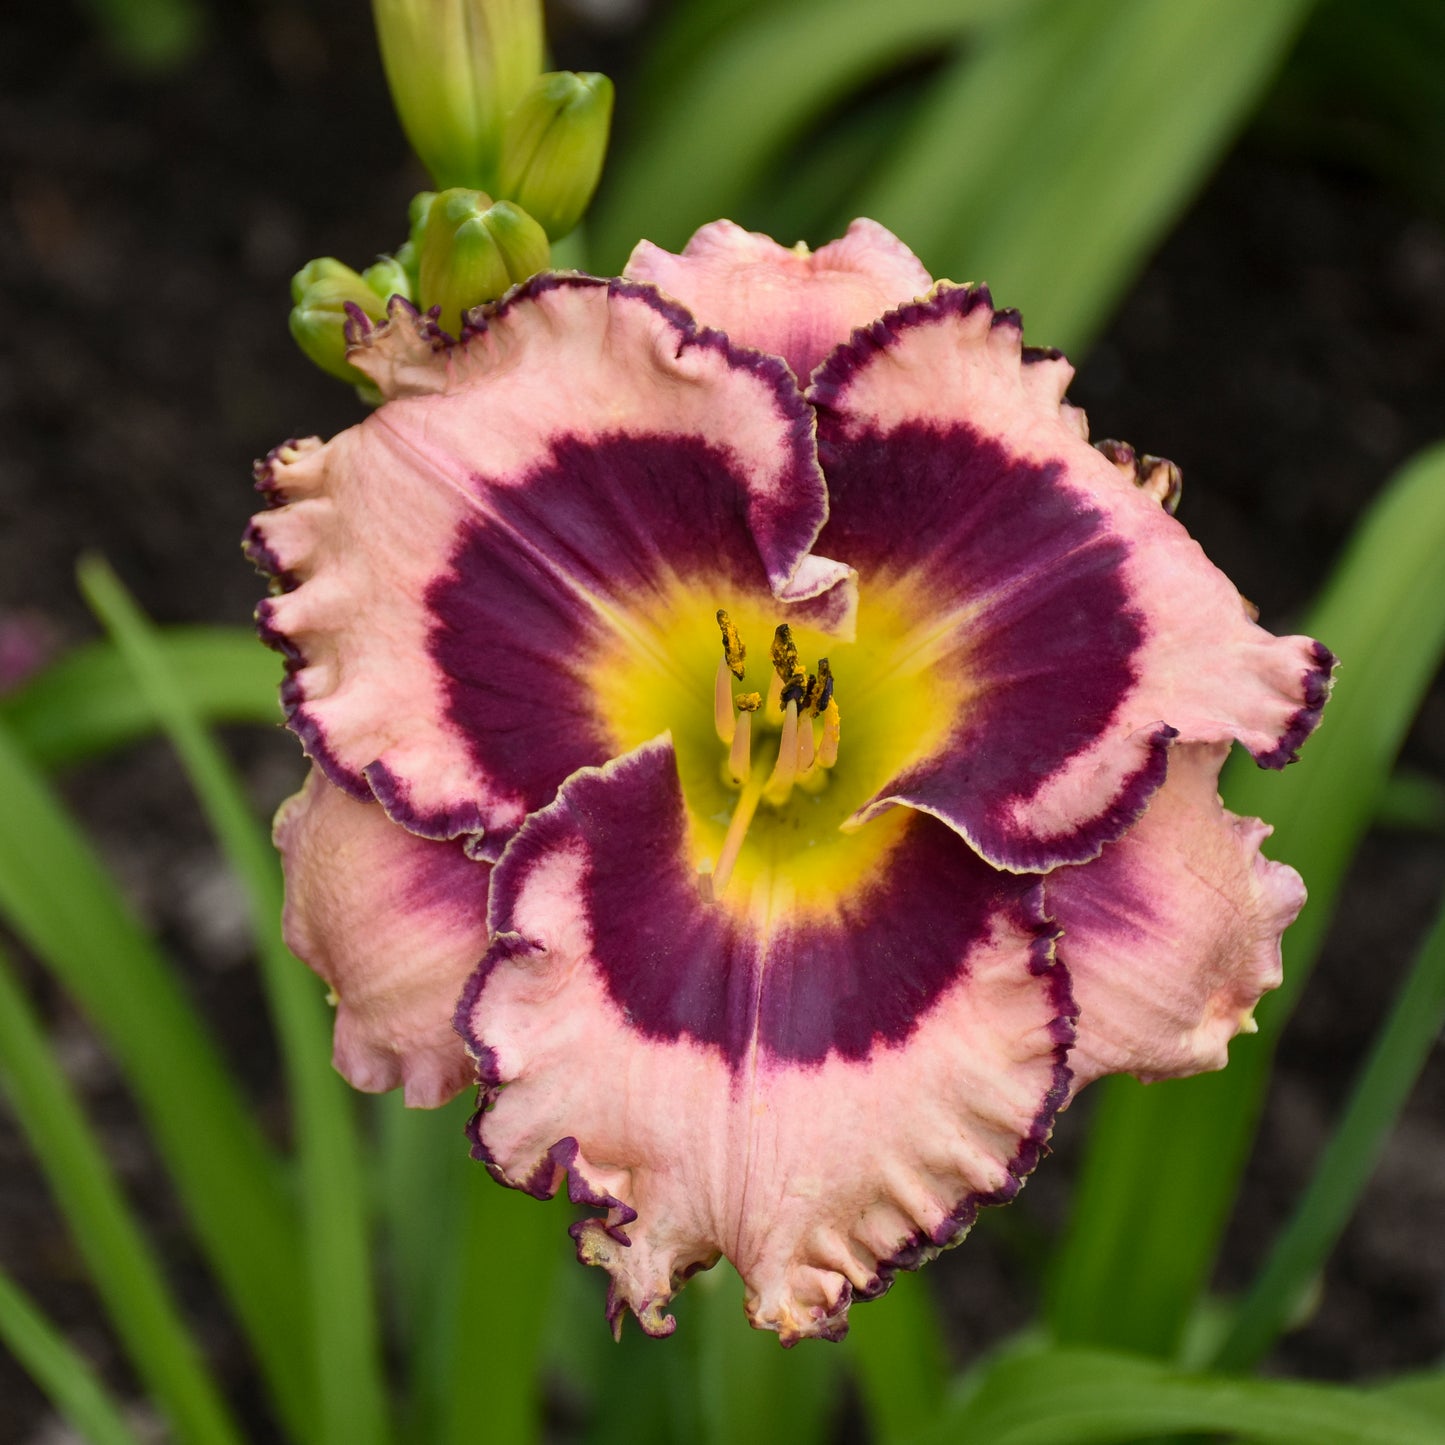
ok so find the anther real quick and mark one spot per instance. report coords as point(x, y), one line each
point(820, 691)
point(793, 679)
point(734, 653)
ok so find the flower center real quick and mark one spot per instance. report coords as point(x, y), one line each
point(809, 728)
point(771, 829)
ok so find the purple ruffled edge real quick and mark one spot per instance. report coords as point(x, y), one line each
point(914, 1253)
point(1306, 719)
point(376, 780)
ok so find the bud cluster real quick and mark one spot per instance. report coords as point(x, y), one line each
point(517, 152)
point(466, 77)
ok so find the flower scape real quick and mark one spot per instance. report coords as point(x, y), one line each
point(759, 739)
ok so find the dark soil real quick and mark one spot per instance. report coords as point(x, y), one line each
point(1287, 348)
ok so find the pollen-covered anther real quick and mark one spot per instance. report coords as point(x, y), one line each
point(735, 652)
point(792, 679)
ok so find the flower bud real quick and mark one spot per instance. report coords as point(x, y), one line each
point(388, 277)
point(554, 145)
point(320, 291)
point(456, 69)
point(472, 251)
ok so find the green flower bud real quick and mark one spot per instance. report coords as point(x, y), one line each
point(456, 69)
point(388, 277)
point(472, 251)
point(554, 145)
point(320, 291)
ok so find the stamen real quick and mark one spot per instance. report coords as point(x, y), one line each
point(785, 770)
point(805, 744)
point(832, 734)
point(722, 703)
point(775, 695)
point(734, 653)
point(740, 755)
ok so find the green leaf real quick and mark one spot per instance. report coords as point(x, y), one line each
point(1090, 1397)
point(120, 1261)
point(88, 703)
point(1423, 1393)
point(707, 139)
point(67, 1379)
point(60, 901)
point(1395, 1060)
point(1412, 800)
point(1090, 125)
point(895, 1346)
point(1164, 1162)
point(345, 1347)
point(468, 1254)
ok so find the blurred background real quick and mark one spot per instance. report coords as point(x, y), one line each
point(1256, 291)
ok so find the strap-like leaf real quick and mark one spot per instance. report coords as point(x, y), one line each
point(1164, 1162)
point(351, 1392)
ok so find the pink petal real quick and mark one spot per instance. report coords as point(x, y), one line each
point(1172, 934)
point(794, 303)
point(453, 571)
point(394, 923)
point(823, 1103)
point(1076, 620)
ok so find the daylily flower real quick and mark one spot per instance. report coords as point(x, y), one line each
point(744, 686)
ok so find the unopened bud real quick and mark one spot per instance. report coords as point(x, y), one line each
point(321, 291)
point(472, 251)
point(553, 148)
point(456, 69)
point(388, 277)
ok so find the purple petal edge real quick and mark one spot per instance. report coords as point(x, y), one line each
point(834, 374)
point(916, 1252)
point(771, 370)
point(1306, 719)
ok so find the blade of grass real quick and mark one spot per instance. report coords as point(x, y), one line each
point(67, 1379)
point(88, 703)
point(1090, 1397)
point(63, 904)
point(1412, 800)
point(896, 1350)
point(1090, 124)
point(1164, 1162)
point(1395, 1060)
point(117, 1255)
point(351, 1393)
point(475, 1265)
point(748, 1387)
point(759, 84)
point(1423, 1393)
